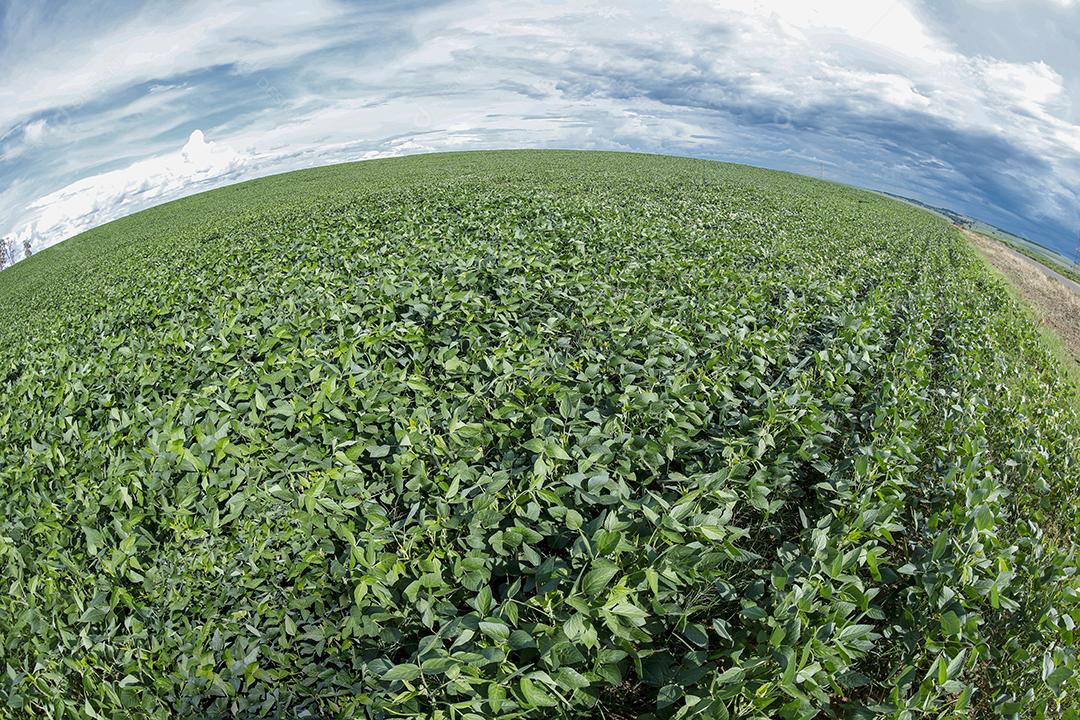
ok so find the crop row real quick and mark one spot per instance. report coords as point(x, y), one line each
point(532, 435)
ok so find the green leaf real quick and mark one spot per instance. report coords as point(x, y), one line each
point(599, 578)
point(495, 630)
point(731, 676)
point(1056, 679)
point(437, 665)
point(574, 520)
point(950, 624)
point(568, 677)
point(94, 540)
point(535, 695)
point(696, 634)
point(405, 672)
point(668, 695)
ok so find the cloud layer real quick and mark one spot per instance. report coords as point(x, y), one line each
point(890, 95)
point(99, 198)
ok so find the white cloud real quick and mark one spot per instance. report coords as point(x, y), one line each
point(100, 198)
point(79, 68)
point(33, 132)
point(30, 136)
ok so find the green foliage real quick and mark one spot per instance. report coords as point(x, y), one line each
point(531, 435)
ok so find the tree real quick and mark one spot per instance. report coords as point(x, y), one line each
point(5, 251)
point(26, 248)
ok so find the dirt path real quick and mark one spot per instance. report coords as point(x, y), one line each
point(1053, 297)
point(1046, 269)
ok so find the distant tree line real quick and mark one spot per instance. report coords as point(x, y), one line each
point(8, 251)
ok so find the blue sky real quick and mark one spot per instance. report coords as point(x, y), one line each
point(109, 107)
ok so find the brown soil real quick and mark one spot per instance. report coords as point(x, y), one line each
point(1057, 305)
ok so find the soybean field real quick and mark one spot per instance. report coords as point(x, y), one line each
point(532, 434)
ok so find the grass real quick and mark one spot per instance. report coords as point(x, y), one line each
point(1066, 355)
point(1043, 257)
point(532, 434)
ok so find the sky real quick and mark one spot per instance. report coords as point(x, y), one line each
point(107, 107)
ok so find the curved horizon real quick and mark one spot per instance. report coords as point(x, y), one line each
point(314, 168)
